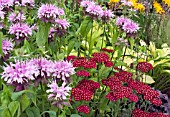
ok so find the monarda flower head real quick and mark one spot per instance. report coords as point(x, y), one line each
point(144, 66)
point(44, 66)
point(62, 23)
point(83, 109)
point(94, 11)
point(63, 69)
point(20, 31)
point(6, 3)
point(16, 17)
point(19, 74)
point(130, 27)
point(121, 20)
point(86, 3)
point(49, 13)
point(27, 3)
point(2, 13)
point(7, 46)
point(106, 15)
point(58, 92)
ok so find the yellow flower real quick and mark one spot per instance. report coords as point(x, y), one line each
point(158, 8)
point(133, 2)
point(139, 6)
point(114, 1)
point(167, 2)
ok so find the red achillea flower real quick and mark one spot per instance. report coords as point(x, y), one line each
point(100, 57)
point(88, 85)
point(70, 58)
point(79, 62)
point(81, 94)
point(156, 102)
point(140, 113)
point(133, 98)
point(107, 50)
point(90, 64)
point(109, 64)
point(144, 67)
point(83, 109)
point(83, 73)
point(124, 76)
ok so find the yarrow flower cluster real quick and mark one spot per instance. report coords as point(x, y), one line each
point(83, 73)
point(144, 66)
point(83, 109)
point(127, 25)
point(84, 90)
point(119, 91)
point(21, 31)
point(96, 11)
point(49, 13)
point(140, 113)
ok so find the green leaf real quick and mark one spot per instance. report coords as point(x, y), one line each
point(16, 95)
point(62, 114)
point(13, 107)
point(5, 113)
point(42, 34)
point(25, 102)
point(30, 113)
point(75, 115)
point(1, 38)
point(34, 112)
point(85, 26)
point(51, 113)
point(70, 47)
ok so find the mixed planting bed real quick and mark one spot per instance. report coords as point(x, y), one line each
point(82, 58)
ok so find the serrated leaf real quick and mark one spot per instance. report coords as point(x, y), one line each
point(75, 115)
point(85, 26)
point(33, 111)
point(25, 102)
point(42, 34)
point(16, 95)
point(70, 47)
point(5, 113)
point(13, 107)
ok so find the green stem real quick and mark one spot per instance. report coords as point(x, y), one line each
point(103, 35)
point(90, 40)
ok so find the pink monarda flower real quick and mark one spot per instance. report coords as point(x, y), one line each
point(19, 72)
point(27, 3)
point(49, 13)
point(121, 20)
point(106, 15)
point(44, 66)
point(126, 3)
point(21, 31)
point(6, 3)
point(7, 46)
point(86, 3)
point(94, 11)
point(62, 23)
point(83, 109)
point(58, 93)
point(16, 17)
point(2, 13)
point(63, 69)
point(130, 27)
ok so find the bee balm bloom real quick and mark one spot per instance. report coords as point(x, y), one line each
point(49, 13)
point(21, 31)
